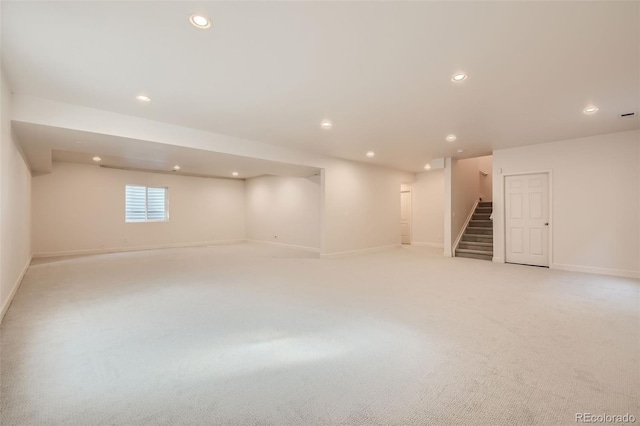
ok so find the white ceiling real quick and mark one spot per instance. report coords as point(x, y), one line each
point(271, 71)
point(41, 144)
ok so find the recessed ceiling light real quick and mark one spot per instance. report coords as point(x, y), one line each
point(460, 151)
point(451, 138)
point(590, 109)
point(200, 21)
point(176, 167)
point(371, 154)
point(234, 174)
point(326, 124)
point(427, 166)
point(143, 98)
point(459, 77)
point(97, 159)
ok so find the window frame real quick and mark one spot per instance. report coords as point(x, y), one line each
point(146, 203)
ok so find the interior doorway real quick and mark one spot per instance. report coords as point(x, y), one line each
point(405, 216)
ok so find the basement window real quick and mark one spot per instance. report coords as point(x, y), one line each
point(146, 204)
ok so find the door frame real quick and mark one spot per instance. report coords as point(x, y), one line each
point(503, 213)
point(410, 215)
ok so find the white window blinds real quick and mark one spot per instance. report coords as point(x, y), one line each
point(144, 204)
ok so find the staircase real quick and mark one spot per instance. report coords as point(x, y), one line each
point(477, 240)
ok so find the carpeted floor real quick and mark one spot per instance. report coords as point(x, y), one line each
point(253, 334)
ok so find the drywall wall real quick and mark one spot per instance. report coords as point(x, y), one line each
point(284, 210)
point(427, 219)
point(15, 206)
point(485, 164)
point(595, 213)
point(361, 207)
point(465, 188)
point(80, 208)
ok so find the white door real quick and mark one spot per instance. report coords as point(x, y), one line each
point(405, 217)
point(527, 219)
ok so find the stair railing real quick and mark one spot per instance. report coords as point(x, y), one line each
point(464, 228)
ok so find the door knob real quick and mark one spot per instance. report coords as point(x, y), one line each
point(546, 224)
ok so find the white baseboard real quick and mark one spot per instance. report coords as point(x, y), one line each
point(498, 259)
point(293, 246)
point(424, 244)
point(359, 251)
point(16, 285)
point(137, 248)
point(595, 270)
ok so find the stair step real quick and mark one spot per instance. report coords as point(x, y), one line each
point(480, 223)
point(478, 238)
point(475, 251)
point(474, 254)
point(481, 216)
point(485, 204)
point(480, 230)
point(476, 245)
point(483, 210)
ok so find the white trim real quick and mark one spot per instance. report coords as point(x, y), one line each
point(498, 259)
point(464, 228)
point(14, 290)
point(503, 214)
point(359, 251)
point(138, 248)
point(425, 244)
point(293, 246)
point(596, 270)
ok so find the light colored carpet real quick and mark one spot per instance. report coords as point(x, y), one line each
point(253, 334)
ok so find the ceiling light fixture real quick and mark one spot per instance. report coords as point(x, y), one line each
point(459, 77)
point(143, 98)
point(371, 154)
point(460, 151)
point(97, 159)
point(326, 124)
point(590, 109)
point(234, 174)
point(427, 166)
point(176, 168)
point(200, 21)
point(451, 138)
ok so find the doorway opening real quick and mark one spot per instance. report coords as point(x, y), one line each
point(405, 215)
point(471, 207)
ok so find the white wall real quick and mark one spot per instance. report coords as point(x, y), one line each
point(427, 219)
point(465, 188)
point(286, 207)
point(485, 164)
point(596, 214)
point(15, 197)
point(81, 207)
point(361, 207)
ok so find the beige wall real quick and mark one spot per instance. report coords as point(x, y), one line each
point(358, 209)
point(284, 210)
point(361, 207)
point(427, 217)
point(81, 207)
point(485, 164)
point(595, 196)
point(465, 190)
point(15, 208)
